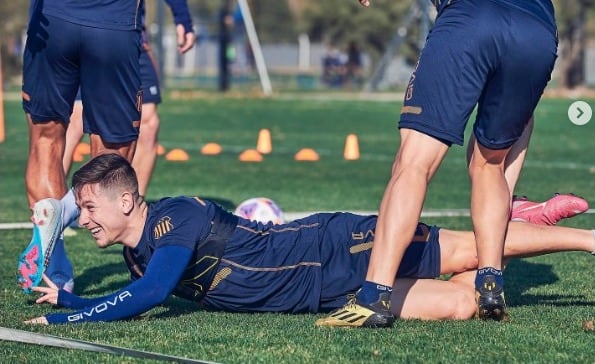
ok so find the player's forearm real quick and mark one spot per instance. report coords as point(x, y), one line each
point(162, 275)
point(121, 305)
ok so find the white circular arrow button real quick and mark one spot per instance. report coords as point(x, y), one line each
point(580, 113)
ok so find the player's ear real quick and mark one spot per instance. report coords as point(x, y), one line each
point(127, 202)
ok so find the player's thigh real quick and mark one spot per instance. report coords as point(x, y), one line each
point(110, 84)
point(50, 68)
point(513, 91)
point(450, 74)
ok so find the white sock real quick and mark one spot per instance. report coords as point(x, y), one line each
point(70, 211)
point(593, 252)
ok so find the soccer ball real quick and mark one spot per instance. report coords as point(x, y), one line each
point(260, 209)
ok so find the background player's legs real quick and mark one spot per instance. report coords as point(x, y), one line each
point(74, 134)
point(146, 148)
point(457, 248)
point(98, 146)
point(516, 156)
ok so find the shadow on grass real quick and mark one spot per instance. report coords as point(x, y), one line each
point(94, 276)
point(521, 276)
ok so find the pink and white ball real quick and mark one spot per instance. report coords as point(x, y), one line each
point(260, 209)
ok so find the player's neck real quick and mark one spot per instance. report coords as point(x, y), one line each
point(136, 224)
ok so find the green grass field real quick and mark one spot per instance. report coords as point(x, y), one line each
point(549, 296)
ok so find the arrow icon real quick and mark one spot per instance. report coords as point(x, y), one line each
point(580, 112)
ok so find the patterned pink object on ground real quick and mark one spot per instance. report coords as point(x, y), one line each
point(550, 212)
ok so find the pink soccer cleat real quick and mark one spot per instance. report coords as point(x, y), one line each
point(550, 212)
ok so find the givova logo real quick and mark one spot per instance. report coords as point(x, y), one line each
point(102, 307)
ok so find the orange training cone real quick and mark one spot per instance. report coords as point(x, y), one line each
point(250, 155)
point(264, 145)
point(160, 149)
point(82, 148)
point(77, 157)
point(210, 149)
point(307, 155)
point(177, 155)
point(351, 152)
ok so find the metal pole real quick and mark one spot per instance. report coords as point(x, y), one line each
point(255, 44)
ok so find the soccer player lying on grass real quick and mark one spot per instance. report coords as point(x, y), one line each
point(194, 249)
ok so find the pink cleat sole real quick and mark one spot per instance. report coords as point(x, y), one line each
point(550, 212)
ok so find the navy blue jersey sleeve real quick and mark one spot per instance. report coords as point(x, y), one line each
point(162, 275)
point(181, 14)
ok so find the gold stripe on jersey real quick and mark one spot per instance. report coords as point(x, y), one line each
point(199, 200)
point(358, 248)
point(275, 230)
point(411, 110)
point(271, 269)
point(220, 276)
point(191, 282)
point(163, 227)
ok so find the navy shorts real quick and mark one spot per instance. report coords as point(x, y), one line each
point(61, 56)
point(148, 77)
point(481, 53)
point(345, 258)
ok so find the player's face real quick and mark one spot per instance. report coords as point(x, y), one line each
point(100, 213)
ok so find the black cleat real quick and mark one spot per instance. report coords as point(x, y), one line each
point(490, 300)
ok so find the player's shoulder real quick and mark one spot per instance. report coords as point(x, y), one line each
point(182, 213)
point(179, 207)
point(179, 202)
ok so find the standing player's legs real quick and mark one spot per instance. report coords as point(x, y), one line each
point(437, 105)
point(490, 213)
point(146, 148)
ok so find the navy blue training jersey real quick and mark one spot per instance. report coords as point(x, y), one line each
point(106, 14)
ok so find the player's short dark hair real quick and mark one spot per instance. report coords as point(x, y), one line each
point(109, 171)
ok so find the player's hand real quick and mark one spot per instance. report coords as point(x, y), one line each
point(49, 293)
point(365, 3)
point(185, 39)
point(41, 320)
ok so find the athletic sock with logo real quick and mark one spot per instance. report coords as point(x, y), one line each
point(371, 291)
point(488, 271)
